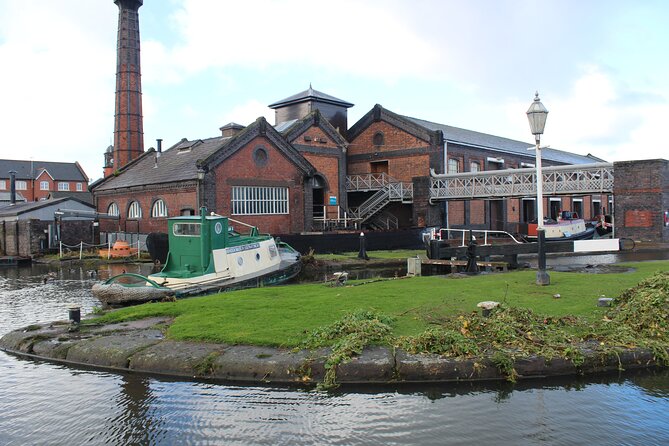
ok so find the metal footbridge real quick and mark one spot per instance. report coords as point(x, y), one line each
point(578, 179)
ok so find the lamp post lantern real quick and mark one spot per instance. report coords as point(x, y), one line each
point(536, 115)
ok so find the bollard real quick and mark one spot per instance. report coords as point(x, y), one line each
point(74, 314)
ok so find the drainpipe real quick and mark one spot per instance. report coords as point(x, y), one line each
point(446, 171)
point(12, 187)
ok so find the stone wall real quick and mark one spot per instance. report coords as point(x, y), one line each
point(641, 191)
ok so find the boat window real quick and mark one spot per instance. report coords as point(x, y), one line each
point(186, 229)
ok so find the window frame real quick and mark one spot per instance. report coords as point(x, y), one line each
point(21, 185)
point(260, 200)
point(63, 186)
point(159, 209)
point(113, 209)
point(44, 185)
point(134, 210)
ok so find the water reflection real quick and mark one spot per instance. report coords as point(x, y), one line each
point(45, 403)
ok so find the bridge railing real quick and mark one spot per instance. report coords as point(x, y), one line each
point(557, 180)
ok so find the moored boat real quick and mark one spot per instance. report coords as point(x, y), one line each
point(568, 227)
point(207, 254)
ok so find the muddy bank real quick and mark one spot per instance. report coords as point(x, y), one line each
point(140, 346)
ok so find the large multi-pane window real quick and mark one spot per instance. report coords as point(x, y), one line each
point(453, 165)
point(21, 185)
point(134, 211)
point(80, 187)
point(63, 186)
point(159, 209)
point(256, 200)
point(113, 210)
point(474, 166)
point(43, 185)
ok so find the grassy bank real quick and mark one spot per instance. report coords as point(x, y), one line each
point(397, 254)
point(285, 316)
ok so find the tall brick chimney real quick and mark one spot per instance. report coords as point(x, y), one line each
point(128, 128)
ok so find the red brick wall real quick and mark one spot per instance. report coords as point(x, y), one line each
point(402, 168)
point(456, 212)
point(513, 210)
point(175, 199)
point(241, 170)
point(318, 138)
point(477, 212)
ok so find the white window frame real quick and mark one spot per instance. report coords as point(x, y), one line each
point(474, 163)
point(134, 211)
point(21, 185)
point(453, 162)
point(63, 186)
point(113, 209)
point(80, 187)
point(159, 209)
point(260, 200)
point(43, 185)
point(3, 184)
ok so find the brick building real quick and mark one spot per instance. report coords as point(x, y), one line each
point(37, 180)
point(406, 149)
point(275, 177)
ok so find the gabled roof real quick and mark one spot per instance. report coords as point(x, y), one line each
point(85, 197)
point(182, 161)
point(378, 113)
point(310, 95)
point(315, 118)
point(259, 128)
point(177, 163)
point(22, 208)
point(497, 143)
point(29, 170)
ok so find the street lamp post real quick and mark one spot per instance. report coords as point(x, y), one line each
point(536, 115)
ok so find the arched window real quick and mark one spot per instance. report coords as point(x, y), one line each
point(378, 139)
point(159, 209)
point(113, 210)
point(134, 211)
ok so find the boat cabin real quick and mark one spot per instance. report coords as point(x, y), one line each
point(194, 242)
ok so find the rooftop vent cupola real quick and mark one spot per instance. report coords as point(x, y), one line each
point(231, 129)
point(128, 126)
point(300, 105)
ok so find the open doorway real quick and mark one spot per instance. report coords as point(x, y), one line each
point(318, 193)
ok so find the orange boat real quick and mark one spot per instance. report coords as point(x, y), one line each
point(120, 249)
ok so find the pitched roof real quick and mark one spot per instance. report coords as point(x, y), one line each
point(313, 95)
point(85, 197)
point(28, 170)
point(500, 144)
point(177, 163)
point(182, 161)
point(22, 208)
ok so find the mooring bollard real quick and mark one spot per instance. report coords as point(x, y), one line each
point(74, 312)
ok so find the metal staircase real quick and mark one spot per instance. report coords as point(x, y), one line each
point(387, 190)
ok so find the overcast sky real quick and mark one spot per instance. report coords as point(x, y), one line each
point(601, 68)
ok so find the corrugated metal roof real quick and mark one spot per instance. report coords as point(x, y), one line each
point(27, 170)
point(498, 143)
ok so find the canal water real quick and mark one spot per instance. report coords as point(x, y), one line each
point(45, 403)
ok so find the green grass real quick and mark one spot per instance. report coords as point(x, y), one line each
point(401, 254)
point(284, 316)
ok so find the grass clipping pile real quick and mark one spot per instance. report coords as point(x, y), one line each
point(640, 319)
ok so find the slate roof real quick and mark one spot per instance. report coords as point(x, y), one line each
point(500, 144)
point(27, 170)
point(310, 94)
point(22, 208)
point(85, 197)
point(6, 197)
point(178, 163)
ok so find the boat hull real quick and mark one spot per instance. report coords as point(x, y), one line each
point(116, 294)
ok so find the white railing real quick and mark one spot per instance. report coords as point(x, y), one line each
point(342, 220)
point(557, 180)
point(438, 234)
point(367, 182)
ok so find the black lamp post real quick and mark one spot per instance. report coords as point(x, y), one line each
point(536, 115)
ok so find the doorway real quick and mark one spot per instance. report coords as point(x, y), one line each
point(379, 167)
point(318, 195)
point(496, 215)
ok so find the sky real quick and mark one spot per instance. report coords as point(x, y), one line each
point(600, 66)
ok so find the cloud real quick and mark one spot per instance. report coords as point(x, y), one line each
point(57, 91)
point(362, 38)
point(247, 113)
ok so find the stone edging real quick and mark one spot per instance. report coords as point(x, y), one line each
point(140, 347)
